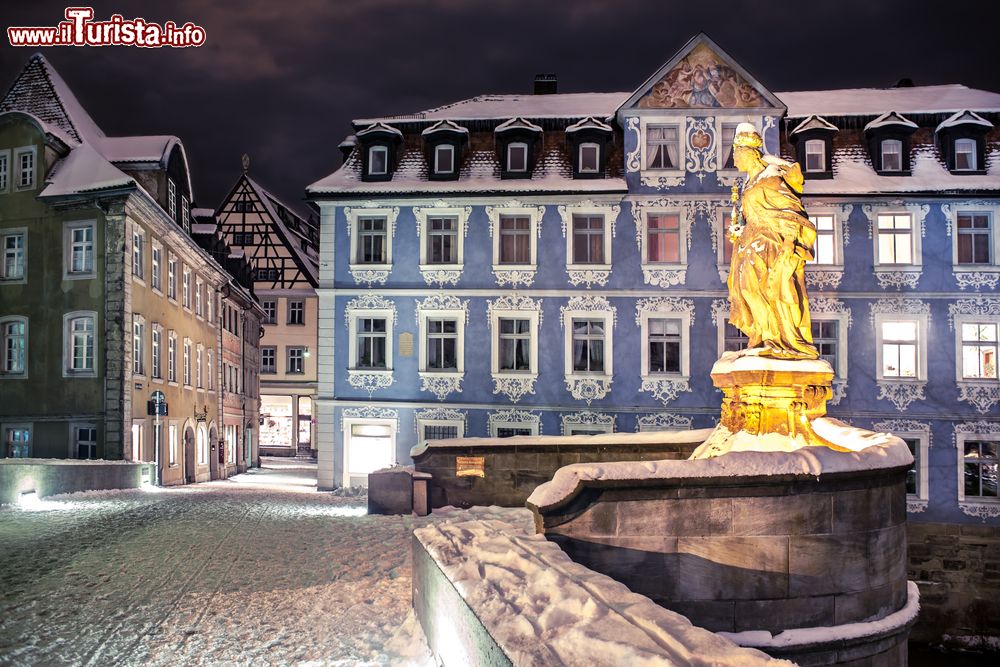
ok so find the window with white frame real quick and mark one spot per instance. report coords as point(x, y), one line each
point(570, 428)
point(209, 375)
point(270, 307)
point(443, 245)
point(815, 155)
point(589, 240)
point(199, 287)
point(199, 368)
point(901, 347)
point(439, 429)
point(296, 360)
point(378, 161)
point(172, 442)
point(978, 348)
point(666, 347)
point(372, 343)
point(979, 467)
point(171, 199)
point(975, 242)
point(663, 242)
point(965, 155)
point(515, 345)
point(517, 156)
point(156, 265)
point(892, 155)
point(79, 249)
point(515, 240)
point(80, 343)
point(589, 158)
point(826, 251)
point(187, 362)
point(172, 277)
point(731, 338)
point(156, 352)
point(373, 246)
point(917, 437)
point(186, 287)
point(172, 356)
point(209, 305)
point(14, 244)
point(442, 334)
point(24, 160)
point(138, 340)
point(84, 441)
point(185, 213)
point(14, 342)
point(444, 159)
point(895, 239)
point(588, 351)
point(231, 443)
point(138, 254)
point(17, 441)
point(662, 147)
point(4, 170)
point(726, 156)
point(268, 359)
point(202, 446)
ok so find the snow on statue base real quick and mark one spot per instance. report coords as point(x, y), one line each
point(776, 399)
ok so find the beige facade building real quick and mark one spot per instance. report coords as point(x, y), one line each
point(282, 248)
point(107, 302)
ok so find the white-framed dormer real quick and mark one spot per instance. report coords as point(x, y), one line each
point(977, 446)
point(441, 321)
point(917, 436)
point(513, 423)
point(665, 337)
point(663, 238)
point(588, 324)
point(441, 232)
point(371, 230)
point(588, 423)
point(589, 228)
point(515, 228)
point(974, 228)
point(517, 157)
point(371, 320)
point(976, 325)
point(514, 322)
point(901, 329)
point(830, 321)
point(826, 269)
point(588, 157)
point(897, 231)
point(79, 250)
point(378, 160)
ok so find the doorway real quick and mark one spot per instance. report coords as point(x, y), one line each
point(189, 458)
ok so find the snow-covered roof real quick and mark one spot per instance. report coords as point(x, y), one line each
point(874, 101)
point(445, 126)
point(379, 127)
point(964, 117)
point(890, 118)
point(499, 107)
point(151, 148)
point(517, 124)
point(815, 123)
point(84, 170)
point(589, 123)
point(349, 140)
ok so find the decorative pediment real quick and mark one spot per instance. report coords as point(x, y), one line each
point(891, 119)
point(701, 76)
point(589, 124)
point(815, 123)
point(445, 126)
point(517, 124)
point(379, 128)
point(964, 118)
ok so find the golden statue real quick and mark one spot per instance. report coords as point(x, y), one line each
point(772, 238)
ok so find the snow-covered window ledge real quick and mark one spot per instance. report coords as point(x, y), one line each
point(369, 380)
point(514, 385)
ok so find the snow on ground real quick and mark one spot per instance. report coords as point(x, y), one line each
point(259, 569)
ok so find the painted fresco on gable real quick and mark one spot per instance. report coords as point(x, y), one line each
point(702, 80)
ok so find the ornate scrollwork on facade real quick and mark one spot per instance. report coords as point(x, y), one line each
point(901, 394)
point(664, 277)
point(976, 279)
point(719, 306)
point(838, 392)
point(588, 388)
point(700, 157)
point(665, 389)
point(587, 418)
point(370, 382)
point(825, 305)
point(664, 304)
point(369, 276)
point(633, 161)
point(661, 182)
point(514, 277)
point(443, 302)
point(589, 304)
point(610, 211)
point(981, 510)
point(588, 277)
point(441, 277)
point(898, 306)
point(369, 301)
point(823, 279)
point(437, 414)
point(663, 421)
point(981, 396)
point(503, 417)
point(513, 302)
point(369, 412)
point(981, 305)
point(845, 222)
point(891, 279)
point(514, 387)
point(391, 213)
point(441, 385)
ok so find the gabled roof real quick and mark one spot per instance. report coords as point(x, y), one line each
point(875, 101)
point(502, 107)
point(84, 170)
point(701, 75)
point(815, 123)
point(445, 126)
point(965, 117)
point(889, 119)
point(272, 204)
point(517, 124)
point(379, 127)
point(590, 123)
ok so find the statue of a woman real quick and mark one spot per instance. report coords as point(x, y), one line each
point(772, 238)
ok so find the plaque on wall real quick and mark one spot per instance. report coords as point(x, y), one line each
point(406, 344)
point(470, 466)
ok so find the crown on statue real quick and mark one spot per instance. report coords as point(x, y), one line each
point(747, 136)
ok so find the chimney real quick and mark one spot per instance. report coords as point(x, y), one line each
point(545, 84)
point(905, 82)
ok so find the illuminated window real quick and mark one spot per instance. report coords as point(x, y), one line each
point(895, 238)
point(663, 238)
point(979, 350)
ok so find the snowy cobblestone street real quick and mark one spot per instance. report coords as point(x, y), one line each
point(260, 569)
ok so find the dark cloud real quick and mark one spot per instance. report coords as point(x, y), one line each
point(281, 79)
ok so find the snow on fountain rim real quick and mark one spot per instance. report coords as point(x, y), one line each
point(598, 440)
point(750, 360)
point(869, 451)
point(542, 608)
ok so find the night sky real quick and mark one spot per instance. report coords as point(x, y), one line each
point(281, 79)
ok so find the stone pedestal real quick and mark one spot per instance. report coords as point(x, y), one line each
point(763, 395)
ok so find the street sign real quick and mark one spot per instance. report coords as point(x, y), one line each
point(157, 404)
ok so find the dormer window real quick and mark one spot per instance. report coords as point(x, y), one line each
point(892, 155)
point(378, 161)
point(965, 155)
point(444, 159)
point(517, 157)
point(589, 158)
point(815, 155)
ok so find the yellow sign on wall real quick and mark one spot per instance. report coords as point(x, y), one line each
point(470, 466)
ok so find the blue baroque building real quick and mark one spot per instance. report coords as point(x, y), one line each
point(556, 264)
